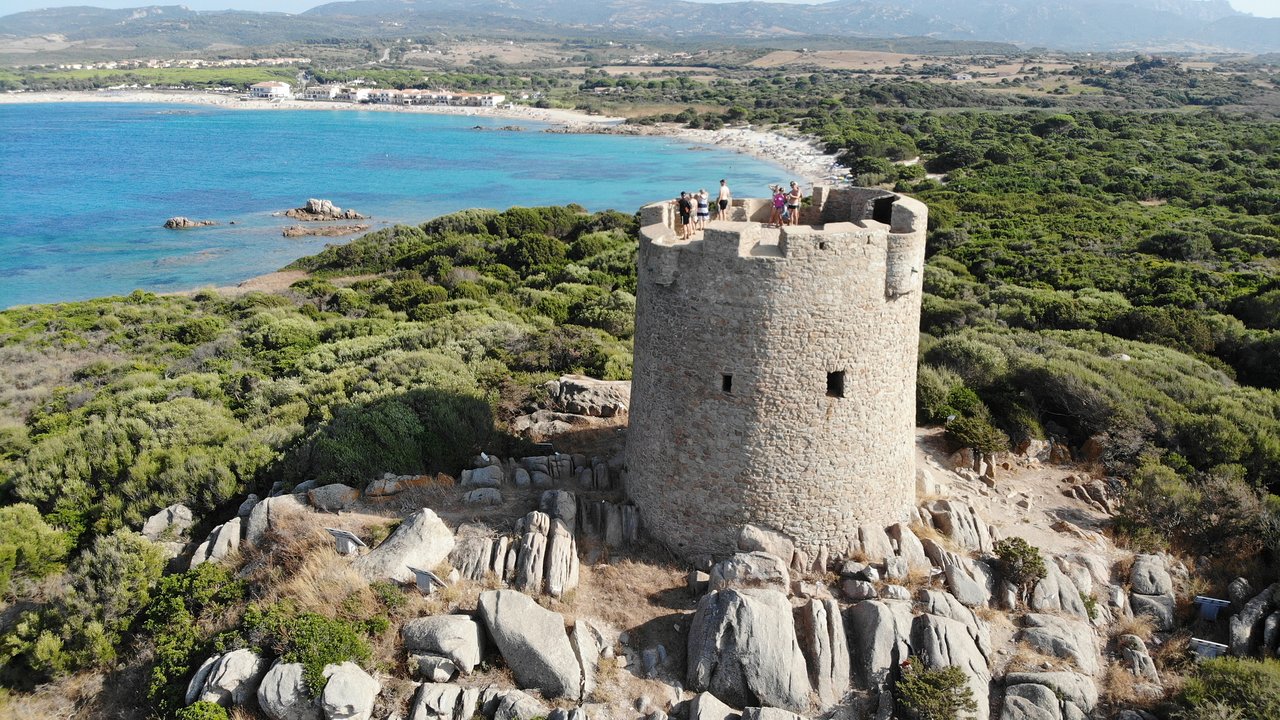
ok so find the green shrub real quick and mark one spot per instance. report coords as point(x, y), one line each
point(1217, 513)
point(1249, 686)
point(1019, 563)
point(312, 640)
point(977, 432)
point(28, 546)
point(202, 710)
point(534, 252)
point(941, 694)
point(362, 442)
point(933, 386)
point(389, 594)
point(181, 606)
point(1090, 605)
point(198, 330)
point(614, 312)
point(112, 581)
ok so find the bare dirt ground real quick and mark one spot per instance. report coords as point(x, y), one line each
point(1038, 486)
point(834, 59)
point(507, 53)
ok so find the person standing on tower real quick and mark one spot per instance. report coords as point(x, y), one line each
point(722, 201)
point(793, 202)
point(684, 206)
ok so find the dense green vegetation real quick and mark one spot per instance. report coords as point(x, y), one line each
point(1233, 687)
point(200, 400)
point(1105, 279)
point(1103, 276)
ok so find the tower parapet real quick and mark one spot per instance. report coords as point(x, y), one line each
point(774, 375)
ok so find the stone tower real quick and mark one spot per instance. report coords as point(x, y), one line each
point(775, 369)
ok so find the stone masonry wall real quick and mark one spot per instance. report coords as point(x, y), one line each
point(736, 334)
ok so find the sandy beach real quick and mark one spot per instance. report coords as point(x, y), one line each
point(800, 157)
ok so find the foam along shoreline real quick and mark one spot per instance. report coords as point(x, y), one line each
point(800, 158)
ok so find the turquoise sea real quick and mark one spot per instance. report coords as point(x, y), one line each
point(86, 187)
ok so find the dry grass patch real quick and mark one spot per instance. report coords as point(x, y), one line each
point(304, 568)
point(439, 492)
point(631, 592)
point(1026, 658)
point(1141, 625)
point(68, 697)
point(929, 532)
point(1120, 688)
point(1174, 657)
point(1123, 568)
point(918, 579)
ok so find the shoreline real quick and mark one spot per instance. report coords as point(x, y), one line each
point(797, 157)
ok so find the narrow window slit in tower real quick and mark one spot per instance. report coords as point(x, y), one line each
point(835, 384)
point(822, 245)
point(726, 383)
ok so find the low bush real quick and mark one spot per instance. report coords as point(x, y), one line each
point(29, 548)
point(1251, 687)
point(310, 639)
point(182, 606)
point(941, 694)
point(202, 710)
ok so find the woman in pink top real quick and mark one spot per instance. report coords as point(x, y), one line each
point(779, 202)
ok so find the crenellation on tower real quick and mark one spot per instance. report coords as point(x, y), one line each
point(774, 375)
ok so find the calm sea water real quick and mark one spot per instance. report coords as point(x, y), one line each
point(87, 187)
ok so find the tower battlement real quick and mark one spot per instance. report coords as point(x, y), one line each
point(774, 376)
point(842, 225)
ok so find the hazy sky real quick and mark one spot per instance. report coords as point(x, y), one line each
point(1263, 8)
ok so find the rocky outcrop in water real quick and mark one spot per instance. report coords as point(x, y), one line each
point(184, 223)
point(323, 210)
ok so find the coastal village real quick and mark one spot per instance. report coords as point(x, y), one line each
point(277, 90)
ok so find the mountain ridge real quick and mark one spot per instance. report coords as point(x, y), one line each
point(1090, 25)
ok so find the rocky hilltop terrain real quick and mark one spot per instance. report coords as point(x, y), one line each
point(534, 594)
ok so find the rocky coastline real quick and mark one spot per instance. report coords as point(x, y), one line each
point(322, 230)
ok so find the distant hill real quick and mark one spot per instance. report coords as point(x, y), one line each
point(1061, 24)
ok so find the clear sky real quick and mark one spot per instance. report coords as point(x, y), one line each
point(1262, 8)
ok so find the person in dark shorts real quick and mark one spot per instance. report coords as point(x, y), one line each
point(722, 201)
point(793, 203)
point(684, 206)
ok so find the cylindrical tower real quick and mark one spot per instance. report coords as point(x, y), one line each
point(774, 376)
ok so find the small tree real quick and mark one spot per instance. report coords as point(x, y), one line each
point(942, 694)
point(1020, 563)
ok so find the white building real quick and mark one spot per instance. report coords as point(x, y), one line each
point(320, 92)
point(355, 95)
point(384, 96)
point(270, 89)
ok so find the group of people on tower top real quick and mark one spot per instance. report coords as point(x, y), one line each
point(694, 208)
point(786, 205)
